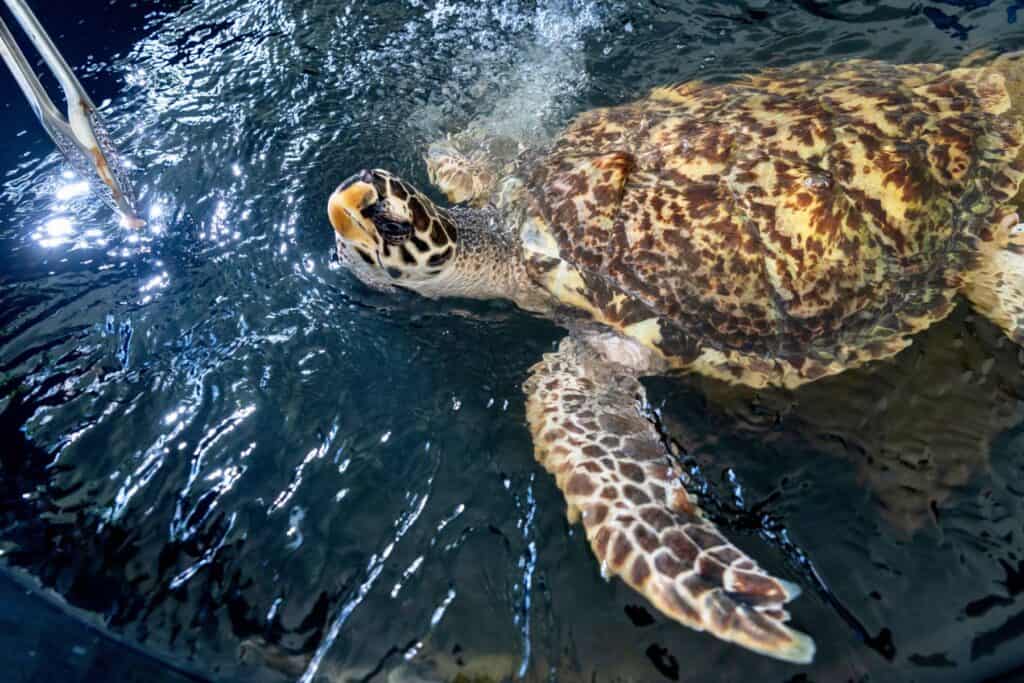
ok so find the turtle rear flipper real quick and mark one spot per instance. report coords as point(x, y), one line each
point(641, 523)
point(996, 287)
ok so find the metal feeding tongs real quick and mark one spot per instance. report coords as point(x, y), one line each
point(81, 137)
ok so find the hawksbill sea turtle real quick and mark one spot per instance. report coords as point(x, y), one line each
point(768, 231)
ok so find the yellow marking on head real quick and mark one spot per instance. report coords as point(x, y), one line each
point(343, 210)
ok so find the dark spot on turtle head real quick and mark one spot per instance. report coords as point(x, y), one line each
point(420, 219)
point(441, 258)
point(366, 257)
point(449, 227)
point(439, 234)
point(399, 190)
point(420, 245)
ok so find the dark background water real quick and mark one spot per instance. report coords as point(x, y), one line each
point(223, 452)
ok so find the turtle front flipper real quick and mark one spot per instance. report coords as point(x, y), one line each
point(644, 527)
point(471, 167)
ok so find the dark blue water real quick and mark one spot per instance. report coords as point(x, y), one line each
point(223, 452)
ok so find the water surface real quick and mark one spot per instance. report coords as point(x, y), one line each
point(221, 448)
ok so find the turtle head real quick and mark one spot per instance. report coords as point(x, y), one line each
point(389, 233)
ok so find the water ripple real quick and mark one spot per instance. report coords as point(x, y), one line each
point(220, 440)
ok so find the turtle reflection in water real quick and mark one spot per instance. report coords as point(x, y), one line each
point(766, 232)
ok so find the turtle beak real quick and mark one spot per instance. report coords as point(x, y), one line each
point(345, 207)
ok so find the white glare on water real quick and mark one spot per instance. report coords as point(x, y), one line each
point(72, 190)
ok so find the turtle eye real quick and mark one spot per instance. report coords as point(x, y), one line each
point(393, 232)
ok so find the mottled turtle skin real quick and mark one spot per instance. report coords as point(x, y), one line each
point(786, 225)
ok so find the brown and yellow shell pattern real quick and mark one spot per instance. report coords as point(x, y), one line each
point(784, 226)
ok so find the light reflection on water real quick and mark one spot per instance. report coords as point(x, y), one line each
point(225, 445)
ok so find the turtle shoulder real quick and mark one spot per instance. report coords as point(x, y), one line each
point(781, 226)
